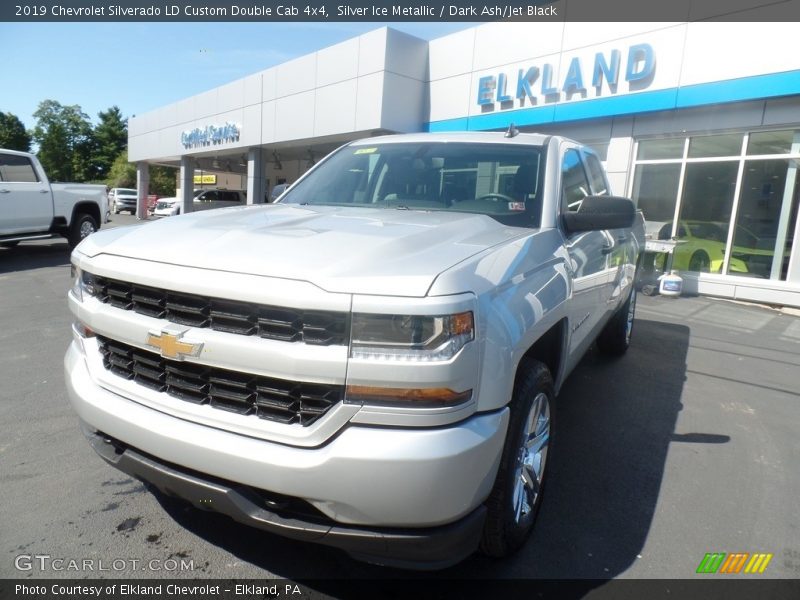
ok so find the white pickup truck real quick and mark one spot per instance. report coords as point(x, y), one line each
point(372, 362)
point(32, 208)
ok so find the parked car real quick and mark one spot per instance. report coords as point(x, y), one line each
point(277, 190)
point(167, 207)
point(203, 200)
point(123, 199)
point(32, 208)
point(220, 196)
point(702, 249)
point(372, 362)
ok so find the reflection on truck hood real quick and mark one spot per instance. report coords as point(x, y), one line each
point(350, 250)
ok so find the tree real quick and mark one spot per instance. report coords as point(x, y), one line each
point(13, 135)
point(110, 139)
point(162, 180)
point(64, 135)
point(122, 173)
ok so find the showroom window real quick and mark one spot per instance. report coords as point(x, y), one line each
point(730, 200)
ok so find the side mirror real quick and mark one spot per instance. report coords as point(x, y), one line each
point(600, 212)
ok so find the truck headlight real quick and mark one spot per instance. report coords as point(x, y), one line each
point(82, 283)
point(418, 338)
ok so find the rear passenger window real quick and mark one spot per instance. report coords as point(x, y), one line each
point(599, 185)
point(574, 184)
point(17, 169)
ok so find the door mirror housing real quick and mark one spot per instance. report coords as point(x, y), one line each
point(600, 212)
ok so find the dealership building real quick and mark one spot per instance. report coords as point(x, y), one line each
point(698, 122)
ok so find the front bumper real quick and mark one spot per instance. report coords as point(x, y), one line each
point(432, 480)
point(430, 548)
point(165, 212)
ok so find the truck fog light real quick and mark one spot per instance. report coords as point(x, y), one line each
point(384, 396)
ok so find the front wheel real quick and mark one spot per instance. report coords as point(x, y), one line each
point(517, 494)
point(82, 227)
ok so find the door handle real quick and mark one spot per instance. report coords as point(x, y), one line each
point(43, 191)
point(5, 191)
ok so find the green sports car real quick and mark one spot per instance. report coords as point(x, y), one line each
point(702, 249)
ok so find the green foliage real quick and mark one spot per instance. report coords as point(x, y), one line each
point(121, 173)
point(162, 180)
point(71, 150)
point(13, 135)
point(64, 136)
point(110, 139)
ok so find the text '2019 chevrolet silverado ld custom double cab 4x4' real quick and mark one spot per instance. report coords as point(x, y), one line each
point(32, 208)
point(371, 363)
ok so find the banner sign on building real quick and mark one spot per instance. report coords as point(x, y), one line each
point(205, 179)
point(211, 135)
point(537, 84)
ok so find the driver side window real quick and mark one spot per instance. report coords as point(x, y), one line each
point(574, 183)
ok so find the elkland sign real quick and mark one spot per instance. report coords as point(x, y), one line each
point(210, 135)
point(537, 84)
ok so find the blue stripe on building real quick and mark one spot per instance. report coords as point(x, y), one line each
point(736, 90)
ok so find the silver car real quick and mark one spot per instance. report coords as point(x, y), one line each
point(123, 199)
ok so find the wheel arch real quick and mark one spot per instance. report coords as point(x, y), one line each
point(86, 208)
point(548, 349)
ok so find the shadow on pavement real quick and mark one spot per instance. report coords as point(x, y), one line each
point(25, 257)
point(615, 422)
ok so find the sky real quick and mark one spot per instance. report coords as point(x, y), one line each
point(142, 66)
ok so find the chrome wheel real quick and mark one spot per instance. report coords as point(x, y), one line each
point(87, 229)
point(531, 458)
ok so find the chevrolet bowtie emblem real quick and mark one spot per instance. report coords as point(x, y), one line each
point(171, 346)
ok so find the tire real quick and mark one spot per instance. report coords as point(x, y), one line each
point(700, 262)
point(615, 339)
point(9, 244)
point(514, 501)
point(83, 226)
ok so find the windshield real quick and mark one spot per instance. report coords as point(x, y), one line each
point(126, 192)
point(498, 180)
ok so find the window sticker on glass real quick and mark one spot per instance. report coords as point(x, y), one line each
point(516, 206)
point(365, 151)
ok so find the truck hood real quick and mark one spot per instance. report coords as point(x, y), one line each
point(348, 250)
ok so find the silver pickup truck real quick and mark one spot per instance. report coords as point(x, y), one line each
point(373, 362)
point(32, 208)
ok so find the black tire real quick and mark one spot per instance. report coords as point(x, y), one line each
point(615, 339)
point(700, 262)
point(514, 503)
point(9, 244)
point(83, 226)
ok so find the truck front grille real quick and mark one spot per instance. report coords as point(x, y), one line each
point(318, 327)
point(243, 393)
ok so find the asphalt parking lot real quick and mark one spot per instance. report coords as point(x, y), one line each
point(687, 445)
